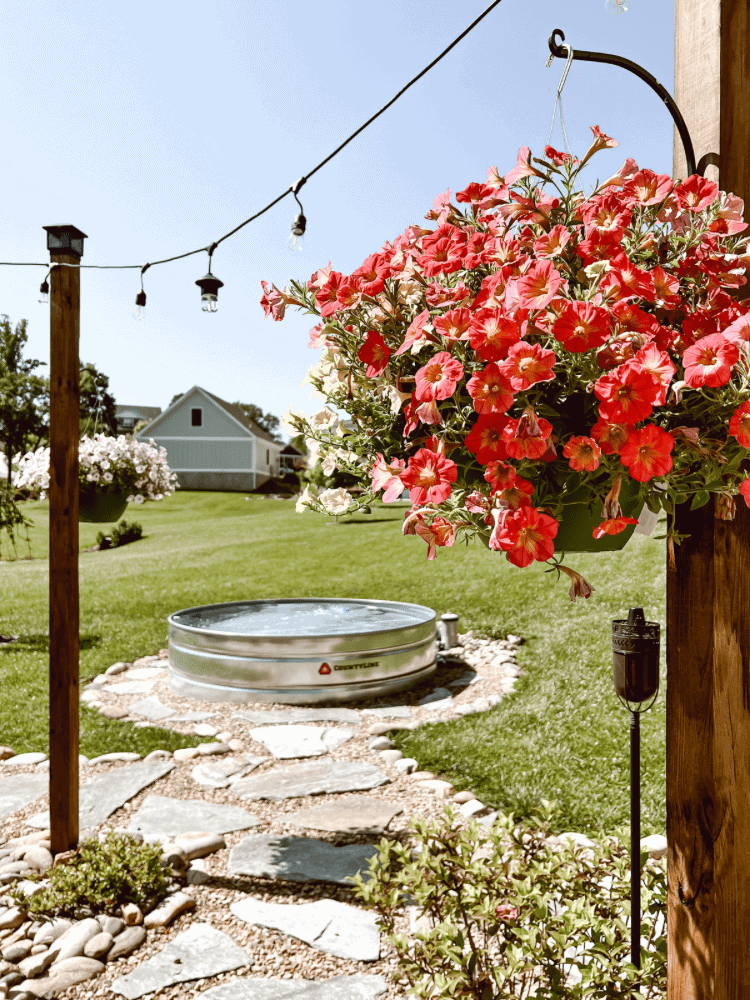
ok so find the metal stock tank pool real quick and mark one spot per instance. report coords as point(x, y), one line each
point(300, 651)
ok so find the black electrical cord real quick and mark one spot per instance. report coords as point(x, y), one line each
point(297, 185)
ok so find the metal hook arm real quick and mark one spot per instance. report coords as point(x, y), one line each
point(558, 50)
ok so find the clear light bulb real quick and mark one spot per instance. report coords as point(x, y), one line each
point(44, 292)
point(140, 301)
point(295, 242)
point(140, 313)
point(209, 302)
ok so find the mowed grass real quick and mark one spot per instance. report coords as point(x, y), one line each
point(562, 735)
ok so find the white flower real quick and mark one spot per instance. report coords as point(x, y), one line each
point(397, 399)
point(304, 500)
point(329, 465)
point(323, 419)
point(336, 501)
point(289, 418)
point(313, 450)
point(138, 498)
point(108, 477)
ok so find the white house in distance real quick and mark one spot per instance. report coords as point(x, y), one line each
point(128, 416)
point(213, 445)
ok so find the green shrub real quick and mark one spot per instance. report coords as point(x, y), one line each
point(101, 877)
point(513, 917)
point(121, 534)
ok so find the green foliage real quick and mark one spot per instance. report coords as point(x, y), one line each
point(512, 917)
point(101, 876)
point(24, 396)
point(97, 406)
point(267, 421)
point(121, 534)
point(12, 518)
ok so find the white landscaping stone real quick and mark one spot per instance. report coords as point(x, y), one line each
point(332, 927)
point(389, 712)
point(377, 743)
point(204, 729)
point(198, 953)
point(390, 756)
point(185, 753)
point(311, 778)
point(143, 673)
point(158, 755)
point(73, 941)
point(471, 808)
point(199, 845)
point(461, 797)
point(211, 749)
point(335, 988)
point(438, 699)
point(25, 758)
point(107, 758)
point(406, 765)
point(163, 815)
point(169, 910)
point(656, 845)
point(580, 839)
point(52, 931)
point(127, 941)
point(287, 716)
point(286, 742)
point(440, 789)
point(71, 972)
point(35, 965)
point(131, 687)
point(116, 668)
point(98, 945)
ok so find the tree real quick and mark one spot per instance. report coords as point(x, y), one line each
point(24, 396)
point(267, 421)
point(177, 395)
point(95, 397)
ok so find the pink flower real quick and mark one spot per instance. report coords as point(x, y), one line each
point(528, 364)
point(438, 378)
point(438, 532)
point(738, 332)
point(429, 476)
point(648, 188)
point(696, 193)
point(553, 243)
point(657, 364)
point(374, 353)
point(454, 324)
point(273, 302)
point(710, 361)
point(745, 490)
point(523, 167)
point(415, 332)
point(492, 333)
point(526, 535)
point(386, 476)
point(582, 326)
point(538, 286)
point(506, 912)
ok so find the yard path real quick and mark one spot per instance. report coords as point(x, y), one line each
point(294, 806)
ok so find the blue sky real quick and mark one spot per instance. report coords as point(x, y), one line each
point(156, 128)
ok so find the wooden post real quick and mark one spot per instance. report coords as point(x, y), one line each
point(708, 596)
point(64, 243)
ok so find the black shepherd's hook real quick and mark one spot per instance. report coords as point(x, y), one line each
point(561, 52)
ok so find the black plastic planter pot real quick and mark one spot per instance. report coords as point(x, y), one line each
point(101, 508)
point(575, 533)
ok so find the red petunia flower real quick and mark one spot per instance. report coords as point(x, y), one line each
point(438, 378)
point(528, 364)
point(710, 361)
point(490, 390)
point(516, 496)
point(429, 476)
point(611, 437)
point(485, 440)
point(658, 365)
point(415, 331)
point(613, 526)
point(500, 475)
point(745, 490)
point(374, 353)
point(556, 157)
point(526, 535)
point(528, 436)
point(598, 246)
point(648, 188)
point(738, 332)
point(582, 453)
point(538, 286)
point(739, 425)
point(627, 394)
point(607, 213)
point(667, 288)
point(582, 326)
point(553, 243)
point(326, 296)
point(454, 324)
point(647, 453)
point(439, 533)
point(696, 193)
point(492, 334)
point(371, 275)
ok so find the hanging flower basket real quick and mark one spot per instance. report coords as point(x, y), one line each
point(540, 345)
point(100, 507)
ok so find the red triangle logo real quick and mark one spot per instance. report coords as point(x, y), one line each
point(325, 669)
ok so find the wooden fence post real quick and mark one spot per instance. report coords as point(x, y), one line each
point(66, 249)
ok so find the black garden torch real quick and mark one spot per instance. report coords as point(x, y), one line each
point(635, 673)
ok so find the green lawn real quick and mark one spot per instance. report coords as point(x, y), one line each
point(561, 735)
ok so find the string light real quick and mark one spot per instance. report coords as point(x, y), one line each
point(209, 283)
point(140, 299)
point(44, 290)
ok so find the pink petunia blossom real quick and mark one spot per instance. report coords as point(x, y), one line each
point(538, 286)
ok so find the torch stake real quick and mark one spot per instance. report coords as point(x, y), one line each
point(635, 837)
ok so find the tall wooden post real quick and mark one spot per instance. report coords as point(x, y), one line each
point(66, 248)
point(708, 596)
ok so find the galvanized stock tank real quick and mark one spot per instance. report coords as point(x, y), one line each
point(300, 651)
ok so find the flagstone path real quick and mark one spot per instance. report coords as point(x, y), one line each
point(270, 839)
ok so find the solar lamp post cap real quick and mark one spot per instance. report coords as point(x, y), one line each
point(65, 239)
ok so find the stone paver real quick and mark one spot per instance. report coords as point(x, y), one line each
point(336, 928)
point(101, 796)
point(160, 814)
point(192, 717)
point(20, 790)
point(312, 778)
point(298, 859)
point(286, 742)
point(354, 814)
point(151, 708)
point(130, 687)
point(335, 988)
point(390, 712)
point(276, 717)
point(221, 773)
point(197, 953)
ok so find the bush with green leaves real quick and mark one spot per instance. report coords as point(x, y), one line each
point(101, 877)
point(121, 534)
point(511, 915)
point(12, 518)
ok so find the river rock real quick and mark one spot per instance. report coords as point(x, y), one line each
point(205, 729)
point(310, 778)
point(131, 914)
point(656, 845)
point(199, 845)
point(74, 940)
point(71, 972)
point(172, 907)
point(376, 743)
point(12, 919)
point(185, 753)
point(39, 858)
point(286, 742)
point(52, 931)
point(98, 945)
point(113, 712)
point(276, 717)
point(336, 988)
point(35, 965)
point(107, 758)
point(329, 926)
point(111, 925)
point(298, 859)
point(221, 773)
point(117, 668)
point(163, 815)
point(25, 758)
point(354, 814)
point(199, 952)
point(126, 942)
point(471, 808)
point(16, 951)
point(406, 765)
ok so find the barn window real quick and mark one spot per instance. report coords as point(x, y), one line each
point(196, 416)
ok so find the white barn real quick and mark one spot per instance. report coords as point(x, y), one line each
point(213, 445)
